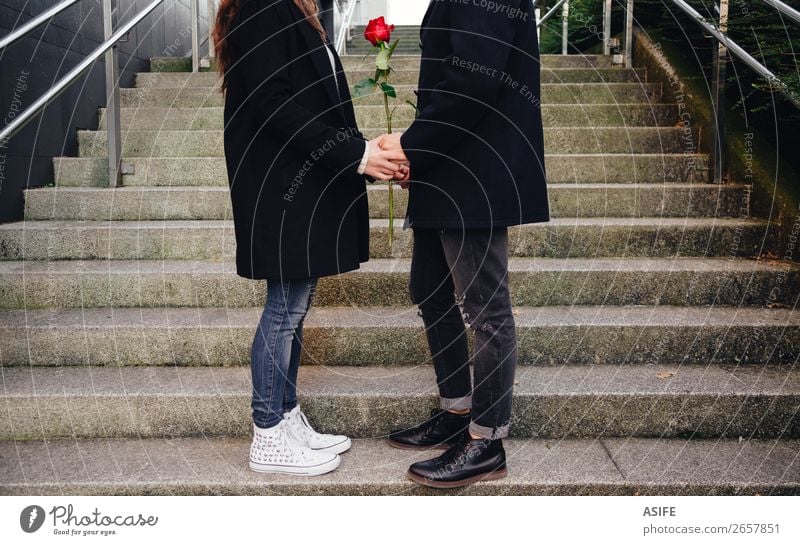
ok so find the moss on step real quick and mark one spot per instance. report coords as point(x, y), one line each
point(751, 159)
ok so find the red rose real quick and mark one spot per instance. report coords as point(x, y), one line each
point(378, 31)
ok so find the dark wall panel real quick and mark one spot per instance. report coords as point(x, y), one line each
point(29, 67)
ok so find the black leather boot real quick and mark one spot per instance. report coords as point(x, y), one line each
point(466, 462)
point(441, 430)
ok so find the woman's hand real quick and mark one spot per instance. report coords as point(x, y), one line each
point(403, 175)
point(384, 164)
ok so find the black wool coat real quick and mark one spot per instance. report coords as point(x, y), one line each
point(292, 150)
point(477, 147)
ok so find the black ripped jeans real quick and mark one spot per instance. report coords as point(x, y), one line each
point(466, 270)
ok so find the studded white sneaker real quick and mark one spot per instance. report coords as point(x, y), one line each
point(302, 432)
point(274, 451)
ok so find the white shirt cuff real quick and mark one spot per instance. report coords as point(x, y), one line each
point(362, 166)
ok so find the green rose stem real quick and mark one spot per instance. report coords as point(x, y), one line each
point(367, 86)
point(391, 188)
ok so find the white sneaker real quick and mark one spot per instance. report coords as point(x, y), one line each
point(302, 432)
point(274, 451)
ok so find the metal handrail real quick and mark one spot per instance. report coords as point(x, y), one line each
point(111, 82)
point(735, 48)
point(347, 22)
point(724, 44)
point(564, 5)
point(718, 74)
point(211, 11)
point(606, 27)
point(34, 23)
point(550, 12)
point(194, 16)
point(786, 10)
point(629, 34)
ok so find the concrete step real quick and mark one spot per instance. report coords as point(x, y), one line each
point(549, 402)
point(560, 237)
point(561, 168)
point(408, 46)
point(402, 76)
point(585, 139)
point(384, 282)
point(368, 336)
point(553, 115)
point(205, 466)
point(555, 93)
point(548, 75)
point(408, 62)
point(399, 61)
point(164, 143)
point(566, 200)
point(399, 30)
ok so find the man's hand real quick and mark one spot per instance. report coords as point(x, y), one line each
point(391, 142)
point(384, 164)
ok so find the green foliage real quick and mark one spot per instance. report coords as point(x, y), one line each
point(384, 54)
point(364, 87)
point(388, 90)
point(754, 25)
point(758, 28)
point(585, 26)
point(413, 105)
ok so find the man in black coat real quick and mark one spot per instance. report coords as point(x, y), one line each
point(477, 165)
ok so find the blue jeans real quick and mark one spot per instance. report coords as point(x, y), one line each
point(275, 356)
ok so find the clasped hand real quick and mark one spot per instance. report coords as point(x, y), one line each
point(387, 161)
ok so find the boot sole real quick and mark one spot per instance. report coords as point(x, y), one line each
point(495, 475)
point(308, 471)
point(404, 446)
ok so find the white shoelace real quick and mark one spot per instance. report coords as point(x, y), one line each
point(306, 428)
point(301, 425)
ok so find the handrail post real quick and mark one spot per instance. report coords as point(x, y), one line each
point(341, 35)
point(537, 12)
point(195, 35)
point(718, 94)
point(87, 62)
point(606, 27)
point(629, 34)
point(112, 98)
point(564, 27)
point(212, 11)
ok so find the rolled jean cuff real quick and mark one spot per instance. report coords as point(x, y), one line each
point(483, 432)
point(456, 403)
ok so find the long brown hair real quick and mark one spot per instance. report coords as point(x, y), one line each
point(226, 14)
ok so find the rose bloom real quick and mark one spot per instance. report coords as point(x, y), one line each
point(378, 31)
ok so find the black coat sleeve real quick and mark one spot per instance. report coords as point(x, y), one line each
point(264, 60)
point(481, 42)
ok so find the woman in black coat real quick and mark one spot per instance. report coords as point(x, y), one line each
point(296, 165)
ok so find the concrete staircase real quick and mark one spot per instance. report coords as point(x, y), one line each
point(657, 356)
point(408, 36)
